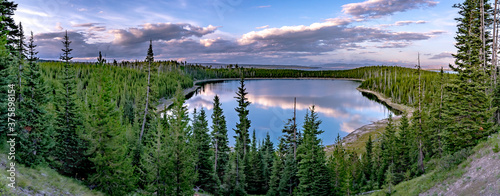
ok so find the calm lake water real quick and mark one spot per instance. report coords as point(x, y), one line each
point(340, 107)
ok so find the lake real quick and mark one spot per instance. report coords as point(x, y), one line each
point(340, 107)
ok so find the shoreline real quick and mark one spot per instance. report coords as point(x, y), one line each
point(165, 103)
point(348, 139)
point(359, 132)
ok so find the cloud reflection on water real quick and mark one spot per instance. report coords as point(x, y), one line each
point(339, 105)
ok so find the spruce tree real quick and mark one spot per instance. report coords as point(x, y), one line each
point(204, 165)
point(368, 161)
point(314, 177)
point(153, 165)
point(231, 186)
point(338, 167)
point(36, 140)
point(436, 119)
point(268, 154)
point(7, 62)
point(8, 25)
point(21, 55)
point(145, 111)
point(149, 60)
point(467, 108)
point(70, 148)
point(114, 172)
point(219, 140)
point(277, 169)
point(255, 179)
point(181, 175)
point(242, 136)
point(404, 142)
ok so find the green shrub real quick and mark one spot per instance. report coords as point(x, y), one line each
point(496, 149)
point(450, 160)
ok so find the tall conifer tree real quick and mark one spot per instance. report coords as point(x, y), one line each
point(36, 133)
point(314, 177)
point(468, 112)
point(70, 147)
point(219, 140)
point(242, 135)
point(108, 145)
point(204, 165)
point(181, 174)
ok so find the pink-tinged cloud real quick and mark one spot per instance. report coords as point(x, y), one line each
point(442, 55)
point(263, 27)
point(379, 8)
point(159, 31)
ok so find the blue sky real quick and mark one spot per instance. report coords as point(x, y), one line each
point(341, 34)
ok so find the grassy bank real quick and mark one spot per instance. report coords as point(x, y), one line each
point(40, 180)
point(477, 174)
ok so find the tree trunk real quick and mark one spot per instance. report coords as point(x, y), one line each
point(420, 151)
point(147, 102)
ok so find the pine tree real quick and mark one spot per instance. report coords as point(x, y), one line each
point(219, 140)
point(255, 179)
point(289, 179)
point(467, 108)
point(150, 60)
point(436, 119)
point(21, 55)
point(145, 109)
point(100, 61)
point(182, 174)
point(204, 165)
point(268, 154)
point(277, 169)
point(404, 142)
point(36, 133)
point(153, 165)
point(242, 135)
point(313, 175)
point(70, 148)
point(8, 25)
point(108, 146)
point(368, 161)
point(338, 167)
point(7, 63)
point(231, 186)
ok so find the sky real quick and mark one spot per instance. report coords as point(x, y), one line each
point(326, 33)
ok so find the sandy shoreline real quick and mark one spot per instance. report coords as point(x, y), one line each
point(353, 136)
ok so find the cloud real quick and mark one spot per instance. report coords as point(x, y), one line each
point(58, 26)
point(442, 55)
point(406, 22)
point(263, 27)
point(91, 26)
point(330, 35)
point(394, 45)
point(159, 31)
point(402, 23)
point(32, 12)
point(264, 6)
point(379, 8)
point(85, 25)
point(48, 43)
point(82, 9)
point(285, 45)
